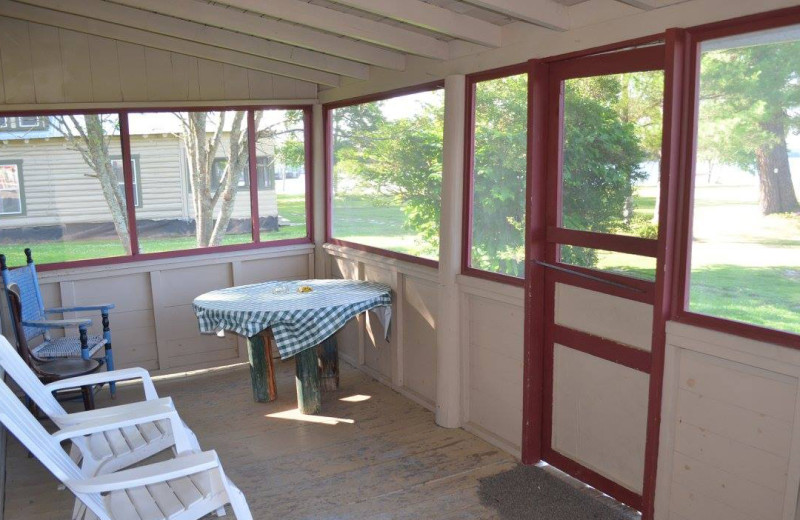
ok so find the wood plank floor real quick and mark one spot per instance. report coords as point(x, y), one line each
point(373, 454)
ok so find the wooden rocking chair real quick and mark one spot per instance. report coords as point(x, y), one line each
point(187, 487)
point(52, 370)
point(35, 322)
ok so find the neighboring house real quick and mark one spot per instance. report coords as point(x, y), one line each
point(44, 183)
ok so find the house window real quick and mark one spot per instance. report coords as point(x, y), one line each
point(744, 235)
point(3, 122)
point(11, 199)
point(32, 122)
point(218, 171)
point(496, 175)
point(265, 168)
point(116, 165)
point(386, 174)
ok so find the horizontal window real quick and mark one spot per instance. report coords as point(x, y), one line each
point(497, 229)
point(190, 183)
point(626, 264)
point(387, 173)
point(745, 232)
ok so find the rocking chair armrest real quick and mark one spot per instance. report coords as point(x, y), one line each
point(109, 377)
point(120, 410)
point(103, 307)
point(58, 324)
point(148, 412)
point(180, 466)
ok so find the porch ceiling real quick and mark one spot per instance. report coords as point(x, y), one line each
point(318, 41)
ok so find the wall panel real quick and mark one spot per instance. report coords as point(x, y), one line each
point(41, 64)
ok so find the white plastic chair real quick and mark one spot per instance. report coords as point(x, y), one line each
point(102, 449)
point(187, 487)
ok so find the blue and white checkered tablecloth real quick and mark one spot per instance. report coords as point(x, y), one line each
point(298, 320)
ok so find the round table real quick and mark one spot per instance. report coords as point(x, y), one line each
point(297, 320)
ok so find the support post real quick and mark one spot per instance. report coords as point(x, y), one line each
point(309, 394)
point(448, 337)
point(318, 186)
point(328, 352)
point(260, 372)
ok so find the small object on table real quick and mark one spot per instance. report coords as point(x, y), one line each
point(300, 316)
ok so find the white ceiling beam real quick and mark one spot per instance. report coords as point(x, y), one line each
point(169, 26)
point(637, 3)
point(539, 12)
point(254, 25)
point(433, 18)
point(347, 25)
point(76, 23)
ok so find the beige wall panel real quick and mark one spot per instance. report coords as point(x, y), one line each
point(292, 88)
point(133, 73)
point(282, 268)
point(180, 75)
point(159, 74)
point(377, 351)
point(748, 387)
point(180, 323)
point(15, 53)
point(46, 61)
point(192, 78)
point(105, 69)
point(600, 415)
point(687, 504)
point(347, 337)
point(612, 317)
point(2, 81)
point(260, 84)
point(127, 293)
point(419, 336)
point(235, 82)
point(76, 66)
point(181, 286)
point(495, 370)
point(212, 86)
point(133, 336)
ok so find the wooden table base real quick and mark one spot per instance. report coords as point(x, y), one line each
point(316, 369)
point(262, 369)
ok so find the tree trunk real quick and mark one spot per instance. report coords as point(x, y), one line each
point(115, 198)
point(775, 179)
point(237, 158)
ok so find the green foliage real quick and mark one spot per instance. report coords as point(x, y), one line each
point(602, 154)
point(498, 238)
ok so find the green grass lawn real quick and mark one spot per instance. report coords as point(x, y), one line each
point(362, 220)
point(291, 207)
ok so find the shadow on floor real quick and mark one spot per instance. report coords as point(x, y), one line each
point(537, 493)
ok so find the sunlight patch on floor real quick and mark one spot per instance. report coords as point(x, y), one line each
point(295, 415)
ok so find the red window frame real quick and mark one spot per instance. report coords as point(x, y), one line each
point(647, 58)
point(127, 172)
point(695, 36)
point(327, 122)
point(472, 80)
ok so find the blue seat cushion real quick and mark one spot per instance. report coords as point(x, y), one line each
point(66, 347)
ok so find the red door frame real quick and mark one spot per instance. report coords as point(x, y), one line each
point(544, 147)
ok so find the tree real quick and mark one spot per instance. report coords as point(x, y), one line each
point(90, 135)
point(498, 236)
point(754, 93)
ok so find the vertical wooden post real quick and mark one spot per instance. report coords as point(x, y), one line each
point(309, 396)
point(260, 372)
point(448, 337)
point(328, 352)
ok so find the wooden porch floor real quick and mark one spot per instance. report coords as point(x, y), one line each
point(373, 454)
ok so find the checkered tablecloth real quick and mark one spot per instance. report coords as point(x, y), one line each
point(298, 320)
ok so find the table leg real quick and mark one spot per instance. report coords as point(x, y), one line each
point(261, 369)
point(309, 395)
point(328, 352)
